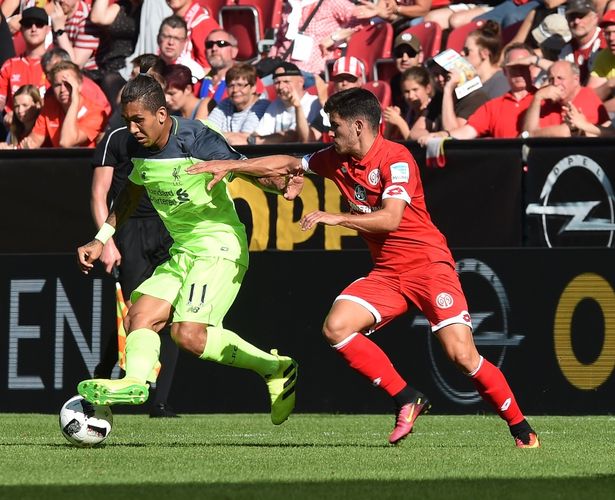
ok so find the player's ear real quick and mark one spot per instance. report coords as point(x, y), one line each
point(162, 114)
point(358, 126)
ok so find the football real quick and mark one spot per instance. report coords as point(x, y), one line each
point(84, 424)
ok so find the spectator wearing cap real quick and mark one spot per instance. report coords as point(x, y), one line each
point(602, 78)
point(76, 34)
point(26, 69)
point(172, 40)
point(290, 116)
point(199, 24)
point(501, 117)
point(544, 117)
point(348, 72)
point(408, 53)
point(483, 50)
point(239, 115)
point(68, 118)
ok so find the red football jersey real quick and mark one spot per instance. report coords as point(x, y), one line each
point(387, 171)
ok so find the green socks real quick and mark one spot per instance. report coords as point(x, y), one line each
point(142, 351)
point(228, 348)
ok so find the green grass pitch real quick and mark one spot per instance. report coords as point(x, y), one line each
point(310, 456)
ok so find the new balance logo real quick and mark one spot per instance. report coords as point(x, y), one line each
point(506, 405)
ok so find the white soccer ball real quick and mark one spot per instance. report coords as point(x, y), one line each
point(84, 424)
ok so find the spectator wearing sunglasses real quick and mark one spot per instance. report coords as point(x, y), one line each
point(26, 69)
point(483, 50)
point(408, 53)
point(221, 51)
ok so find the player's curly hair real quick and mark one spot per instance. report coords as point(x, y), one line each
point(147, 90)
point(354, 103)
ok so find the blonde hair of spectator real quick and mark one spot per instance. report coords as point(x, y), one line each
point(18, 129)
point(65, 66)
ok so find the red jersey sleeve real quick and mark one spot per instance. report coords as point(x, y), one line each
point(399, 176)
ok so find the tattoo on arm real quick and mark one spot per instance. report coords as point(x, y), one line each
point(125, 204)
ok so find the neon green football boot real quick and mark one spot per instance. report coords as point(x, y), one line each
point(124, 391)
point(281, 386)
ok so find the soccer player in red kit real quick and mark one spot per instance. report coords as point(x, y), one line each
point(412, 262)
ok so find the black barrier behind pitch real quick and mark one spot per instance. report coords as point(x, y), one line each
point(545, 316)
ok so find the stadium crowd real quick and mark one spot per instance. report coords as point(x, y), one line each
point(512, 68)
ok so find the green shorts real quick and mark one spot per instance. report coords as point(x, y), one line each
point(200, 289)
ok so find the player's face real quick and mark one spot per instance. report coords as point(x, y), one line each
point(25, 108)
point(415, 94)
point(146, 127)
point(343, 133)
point(582, 24)
point(171, 42)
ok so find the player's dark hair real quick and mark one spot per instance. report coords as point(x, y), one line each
point(145, 89)
point(354, 103)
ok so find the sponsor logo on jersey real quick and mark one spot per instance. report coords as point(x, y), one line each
point(444, 300)
point(360, 193)
point(374, 177)
point(505, 405)
point(561, 217)
point(364, 209)
point(400, 172)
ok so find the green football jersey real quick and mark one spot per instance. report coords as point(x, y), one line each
point(201, 222)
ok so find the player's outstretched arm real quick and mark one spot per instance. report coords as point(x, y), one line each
point(289, 186)
point(264, 166)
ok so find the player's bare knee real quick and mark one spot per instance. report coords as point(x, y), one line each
point(335, 330)
point(189, 337)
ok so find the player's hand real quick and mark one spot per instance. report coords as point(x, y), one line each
point(110, 256)
point(218, 168)
point(88, 254)
point(318, 217)
point(294, 185)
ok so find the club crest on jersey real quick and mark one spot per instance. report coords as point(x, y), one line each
point(176, 179)
point(444, 300)
point(374, 177)
point(360, 193)
point(400, 172)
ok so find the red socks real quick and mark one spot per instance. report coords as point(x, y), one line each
point(492, 386)
point(370, 361)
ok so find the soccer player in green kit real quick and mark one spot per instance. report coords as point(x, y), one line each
point(195, 288)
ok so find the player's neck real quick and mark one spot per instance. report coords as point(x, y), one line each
point(163, 139)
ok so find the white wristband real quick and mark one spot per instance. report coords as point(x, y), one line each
point(105, 233)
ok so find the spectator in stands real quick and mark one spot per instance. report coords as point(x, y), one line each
point(483, 50)
point(172, 41)
point(578, 122)
point(602, 78)
point(511, 12)
point(501, 117)
point(27, 103)
point(199, 24)
point(544, 115)
point(25, 69)
point(76, 34)
point(458, 14)
point(89, 88)
point(239, 115)
point(348, 72)
point(221, 51)
point(68, 118)
point(400, 13)
point(332, 24)
point(455, 111)
point(408, 53)
point(180, 95)
point(290, 116)
point(423, 110)
point(145, 62)
point(119, 23)
point(7, 49)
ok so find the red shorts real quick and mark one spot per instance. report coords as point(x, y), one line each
point(434, 289)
